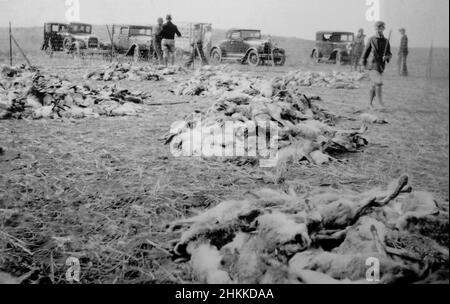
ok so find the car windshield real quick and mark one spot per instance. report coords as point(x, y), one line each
point(250, 35)
point(80, 28)
point(140, 31)
point(337, 37)
point(56, 28)
point(345, 37)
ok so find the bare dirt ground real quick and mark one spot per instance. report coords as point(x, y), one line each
point(103, 190)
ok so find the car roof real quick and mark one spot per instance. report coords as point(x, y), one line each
point(132, 25)
point(335, 32)
point(242, 29)
point(79, 23)
point(59, 23)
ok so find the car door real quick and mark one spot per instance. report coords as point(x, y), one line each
point(123, 41)
point(225, 45)
point(320, 44)
point(336, 39)
point(328, 44)
point(235, 43)
point(61, 31)
point(241, 45)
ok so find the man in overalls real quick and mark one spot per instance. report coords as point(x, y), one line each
point(197, 47)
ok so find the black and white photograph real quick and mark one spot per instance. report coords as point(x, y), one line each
point(224, 143)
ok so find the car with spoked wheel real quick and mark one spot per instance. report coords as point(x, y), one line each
point(78, 36)
point(248, 47)
point(54, 34)
point(69, 37)
point(333, 46)
point(134, 41)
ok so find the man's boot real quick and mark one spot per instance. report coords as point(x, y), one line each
point(379, 94)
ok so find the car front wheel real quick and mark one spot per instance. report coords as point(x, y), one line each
point(253, 58)
point(316, 57)
point(216, 57)
point(67, 44)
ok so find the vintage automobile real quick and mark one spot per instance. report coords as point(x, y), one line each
point(69, 37)
point(247, 46)
point(333, 46)
point(54, 36)
point(80, 35)
point(134, 40)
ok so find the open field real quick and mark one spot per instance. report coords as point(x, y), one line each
point(104, 189)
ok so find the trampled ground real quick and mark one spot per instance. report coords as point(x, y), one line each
point(103, 190)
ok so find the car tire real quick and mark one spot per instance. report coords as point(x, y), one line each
point(316, 56)
point(253, 58)
point(67, 44)
point(215, 57)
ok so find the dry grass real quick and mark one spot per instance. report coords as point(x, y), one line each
point(103, 190)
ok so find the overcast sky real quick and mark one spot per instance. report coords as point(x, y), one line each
point(425, 20)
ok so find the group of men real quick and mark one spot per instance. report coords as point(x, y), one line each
point(359, 46)
point(375, 55)
point(164, 42)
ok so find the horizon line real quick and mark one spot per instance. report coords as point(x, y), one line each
point(432, 44)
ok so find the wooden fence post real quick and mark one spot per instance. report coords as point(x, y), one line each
point(10, 45)
point(429, 71)
point(111, 38)
point(112, 44)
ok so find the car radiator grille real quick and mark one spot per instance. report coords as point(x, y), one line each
point(93, 43)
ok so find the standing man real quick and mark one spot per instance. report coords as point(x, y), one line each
point(197, 47)
point(358, 48)
point(169, 30)
point(208, 40)
point(379, 50)
point(157, 39)
point(402, 54)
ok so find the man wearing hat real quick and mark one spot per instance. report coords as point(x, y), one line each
point(402, 54)
point(169, 30)
point(379, 51)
